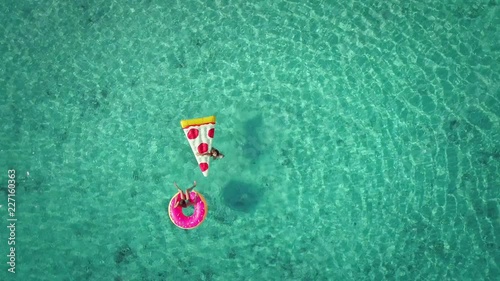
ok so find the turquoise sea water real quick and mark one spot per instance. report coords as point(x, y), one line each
point(362, 139)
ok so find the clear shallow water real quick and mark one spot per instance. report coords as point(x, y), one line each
point(361, 139)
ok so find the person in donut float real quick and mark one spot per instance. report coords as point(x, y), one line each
point(184, 200)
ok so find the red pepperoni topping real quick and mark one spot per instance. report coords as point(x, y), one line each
point(193, 133)
point(203, 166)
point(211, 133)
point(202, 148)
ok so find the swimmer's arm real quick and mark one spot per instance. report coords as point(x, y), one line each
point(177, 204)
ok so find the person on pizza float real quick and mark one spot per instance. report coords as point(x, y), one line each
point(214, 152)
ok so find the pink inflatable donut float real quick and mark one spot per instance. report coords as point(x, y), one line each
point(192, 221)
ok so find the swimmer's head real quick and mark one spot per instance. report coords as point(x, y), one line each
point(183, 203)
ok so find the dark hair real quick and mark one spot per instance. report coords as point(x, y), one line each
point(183, 203)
